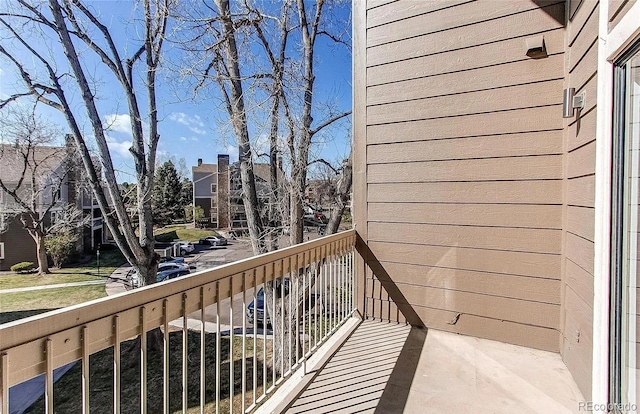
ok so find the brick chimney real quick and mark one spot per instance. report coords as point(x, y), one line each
point(199, 162)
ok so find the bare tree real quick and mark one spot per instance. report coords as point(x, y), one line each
point(86, 41)
point(34, 174)
point(311, 29)
point(272, 84)
point(333, 189)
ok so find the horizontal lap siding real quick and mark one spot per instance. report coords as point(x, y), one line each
point(465, 165)
point(580, 148)
point(18, 245)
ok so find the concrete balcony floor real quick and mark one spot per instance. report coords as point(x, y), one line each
point(391, 368)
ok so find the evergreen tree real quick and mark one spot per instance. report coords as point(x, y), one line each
point(166, 194)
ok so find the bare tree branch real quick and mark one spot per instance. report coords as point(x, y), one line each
point(329, 122)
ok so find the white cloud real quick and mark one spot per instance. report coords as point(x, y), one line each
point(121, 123)
point(194, 123)
point(183, 138)
point(232, 150)
point(120, 148)
point(118, 123)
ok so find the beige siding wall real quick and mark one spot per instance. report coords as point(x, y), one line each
point(580, 132)
point(617, 9)
point(463, 166)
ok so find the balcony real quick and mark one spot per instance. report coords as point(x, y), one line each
point(223, 364)
point(96, 223)
point(206, 356)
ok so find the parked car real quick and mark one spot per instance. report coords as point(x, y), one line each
point(171, 259)
point(214, 240)
point(168, 274)
point(186, 247)
point(172, 265)
point(260, 309)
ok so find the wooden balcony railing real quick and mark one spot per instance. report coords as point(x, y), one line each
point(207, 369)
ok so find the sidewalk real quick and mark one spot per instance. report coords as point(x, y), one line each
point(60, 285)
point(118, 281)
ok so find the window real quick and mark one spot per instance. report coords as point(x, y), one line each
point(1, 250)
point(214, 188)
point(625, 281)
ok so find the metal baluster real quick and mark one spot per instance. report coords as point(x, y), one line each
point(218, 344)
point(282, 320)
point(165, 357)
point(273, 323)
point(203, 366)
point(244, 340)
point(332, 287)
point(290, 365)
point(143, 360)
point(317, 308)
point(185, 349)
point(297, 318)
point(255, 340)
point(48, 391)
point(264, 330)
point(85, 370)
point(304, 308)
point(231, 373)
point(116, 365)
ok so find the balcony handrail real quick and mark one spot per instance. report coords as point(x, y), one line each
point(38, 344)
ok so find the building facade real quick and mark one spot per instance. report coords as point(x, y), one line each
point(485, 211)
point(217, 189)
point(56, 178)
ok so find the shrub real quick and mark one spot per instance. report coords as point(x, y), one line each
point(61, 246)
point(23, 267)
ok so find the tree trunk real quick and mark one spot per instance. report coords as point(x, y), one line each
point(286, 335)
point(43, 263)
point(236, 108)
point(342, 196)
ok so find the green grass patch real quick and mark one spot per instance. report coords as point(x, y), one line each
point(20, 281)
point(110, 260)
point(68, 390)
point(180, 232)
point(50, 298)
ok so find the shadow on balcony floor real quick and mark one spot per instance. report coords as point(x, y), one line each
point(390, 368)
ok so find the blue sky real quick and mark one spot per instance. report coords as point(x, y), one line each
point(190, 128)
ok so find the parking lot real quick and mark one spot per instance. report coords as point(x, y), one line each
point(206, 257)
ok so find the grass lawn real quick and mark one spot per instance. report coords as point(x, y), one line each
point(171, 233)
point(23, 304)
point(48, 299)
point(67, 391)
point(110, 260)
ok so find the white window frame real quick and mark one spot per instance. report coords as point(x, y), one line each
point(610, 46)
point(1, 250)
point(214, 188)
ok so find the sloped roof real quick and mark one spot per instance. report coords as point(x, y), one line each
point(205, 168)
point(43, 159)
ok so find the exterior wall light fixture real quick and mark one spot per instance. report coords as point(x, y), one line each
point(571, 102)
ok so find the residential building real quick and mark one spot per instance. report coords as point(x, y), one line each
point(55, 177)
point(495, 205)
point(217, 189)
point(211, 192)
